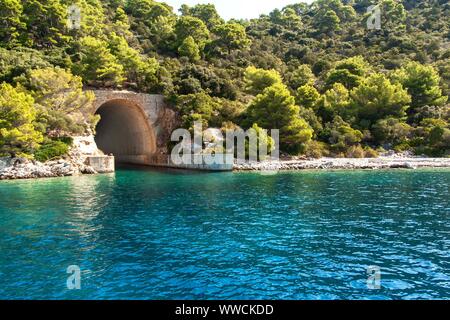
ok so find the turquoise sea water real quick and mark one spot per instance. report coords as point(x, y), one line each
point(140, 234)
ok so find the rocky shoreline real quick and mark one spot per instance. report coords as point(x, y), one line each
point(20, 168)
point(346, 164)
point(78, 164)
point(83, 158)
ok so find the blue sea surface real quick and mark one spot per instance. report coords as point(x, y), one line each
point(143, 234)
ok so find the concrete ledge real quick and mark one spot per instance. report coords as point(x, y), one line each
point(219, 162)
point(102, 164)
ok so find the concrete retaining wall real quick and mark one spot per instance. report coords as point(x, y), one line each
point(219, 162)
point(102, 164)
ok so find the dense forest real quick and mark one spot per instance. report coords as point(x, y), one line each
point(333, 86)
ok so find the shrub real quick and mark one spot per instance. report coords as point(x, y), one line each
point(52, 149)
point(342, 136)
point(355, 152)
point(66, 140)
point(370, 153)
point(391, 131)
point(403, 146)
point(18, 133)
point(317, 149)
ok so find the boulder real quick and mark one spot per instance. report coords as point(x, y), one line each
point(87, 170)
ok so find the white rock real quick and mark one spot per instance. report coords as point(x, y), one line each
point(85, 145)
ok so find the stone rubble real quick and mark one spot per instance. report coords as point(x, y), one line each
point(75, 163)
point(20, 168)
point(390, 162)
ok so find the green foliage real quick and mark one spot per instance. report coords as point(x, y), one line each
point(301, 68)
point(433, 138)
point(307, 96)
point(187, 26)
point(93, 19)
point(196, 107)
point(97, 63)
point(330, 14)
point(302, 75)
point(257, 80)
point(327, 22)
point(229, 111)
point(422, 83)
point(275, 108)
point(317, 149)
point(153, 22)
point(391, 131)
point(18, 135)
point(288, 18)
point(349, 72)
point(393, 14)
point(264, 143)
point(231, 36)
point(355, 152)
point(371, 153)
point(17, 61)
point(314, 121)
point(61, 103)
point(343, 11)
point(10, 21)
point(51, 149)
point(122, 24)
point(342, 136)
point(205, 12)
point(45, 22)
point(336, 102)
point(377, 98)
point(138, 69)
point(216, 82)
point(189, 49)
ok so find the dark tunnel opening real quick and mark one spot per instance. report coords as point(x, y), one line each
point(124, 132)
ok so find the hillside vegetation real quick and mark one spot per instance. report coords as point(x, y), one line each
point(316, 72)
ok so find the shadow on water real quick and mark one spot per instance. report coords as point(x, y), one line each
point(162, 170)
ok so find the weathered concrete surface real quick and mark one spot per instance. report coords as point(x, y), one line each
point(101, 164)
point(135, 127)
point(218, 162)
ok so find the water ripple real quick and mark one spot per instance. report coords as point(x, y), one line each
point(152, 235)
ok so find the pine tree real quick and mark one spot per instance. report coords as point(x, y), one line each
point(189, 49)
point(275, 108)
point(18, 135)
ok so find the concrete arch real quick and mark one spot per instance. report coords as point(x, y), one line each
point(125, 131)
point(137, 127)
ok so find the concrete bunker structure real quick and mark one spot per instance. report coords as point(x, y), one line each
point(136, 128)
point(124, 132)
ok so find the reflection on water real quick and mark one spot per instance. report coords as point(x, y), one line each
point(181, 235)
